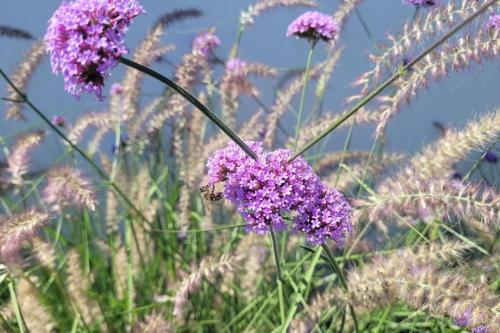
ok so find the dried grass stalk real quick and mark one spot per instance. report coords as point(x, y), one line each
point(18, 159)
point(21, 77)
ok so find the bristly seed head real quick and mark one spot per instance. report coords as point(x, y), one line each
point(68, 186)
point(19, 228)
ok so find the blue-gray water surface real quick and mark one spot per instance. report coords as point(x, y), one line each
point(451, 101)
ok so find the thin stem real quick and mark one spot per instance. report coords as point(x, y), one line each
point(303, 95)
point(239, 35)
point(367, 165)
point(335, 266)
point(347, 142)
point(276, 255)
point(193, 100)
point(118, 141)
point(130, 274)
point(280, 279)
point(391, 79)
point(100, 171)
point(478, 161)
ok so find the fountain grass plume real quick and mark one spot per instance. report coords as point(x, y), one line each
point(21, 78)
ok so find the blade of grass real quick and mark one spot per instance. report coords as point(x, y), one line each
point(333, 263)
point(17, 310)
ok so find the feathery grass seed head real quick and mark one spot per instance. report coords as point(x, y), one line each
point(19, 228)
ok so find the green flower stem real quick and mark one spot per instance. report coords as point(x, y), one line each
point(347, 142)
point(93, 164)
point(335, 266)
point(130, 273)
point(280, 278)
point(193, 100)
point(303, 95)
point(17, 310)
point(239, 35)
point(391, 79)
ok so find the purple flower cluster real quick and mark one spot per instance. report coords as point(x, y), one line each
point(494, 22)
point(269, 188)
point(325, 215)
point(421, 2)
point(225, 162)
point(313, 25)
point(204, 43)
point(85, 39)
point(465, 320)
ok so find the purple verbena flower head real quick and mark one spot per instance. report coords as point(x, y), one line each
point(313, 26)
point(116, 89)
point(58, 121)
point(85, 39)
point(270, 187)
point(205, 43)
point(494, 22)
point(325, 215)
point(421, 2)
point(491, 157)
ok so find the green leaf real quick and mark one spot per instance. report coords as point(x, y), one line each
point(3, 273)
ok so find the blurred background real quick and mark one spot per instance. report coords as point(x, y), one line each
point(450, 102)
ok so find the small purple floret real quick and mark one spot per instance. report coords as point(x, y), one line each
point(205, 43)
point(465, 320)
point(116, 89)
point(85, 39)
point(225, 162)
point(313, 25)
point(491, 157)
point(494, 22)
point(480, 329)
point(58, 121)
